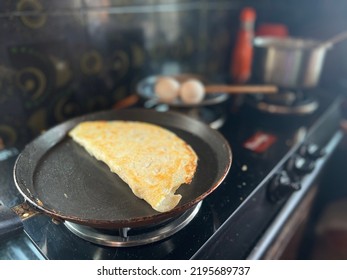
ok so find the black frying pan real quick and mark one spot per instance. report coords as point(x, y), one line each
point(60, 178)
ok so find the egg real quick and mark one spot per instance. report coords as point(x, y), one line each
point(192, 92)
point(166, 89)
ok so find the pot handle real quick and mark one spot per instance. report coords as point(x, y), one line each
point(334, 40)
point(10, 223)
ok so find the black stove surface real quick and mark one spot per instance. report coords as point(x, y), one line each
point(239, 202)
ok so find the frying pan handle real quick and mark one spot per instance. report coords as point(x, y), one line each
point(10, 223)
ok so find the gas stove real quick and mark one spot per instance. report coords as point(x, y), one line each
point(275, 160)
point(286, 102)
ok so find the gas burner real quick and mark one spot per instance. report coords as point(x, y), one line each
point(214, 116)
point(129, 237)
point(284, 103)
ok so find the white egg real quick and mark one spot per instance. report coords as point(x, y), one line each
point(166, 89)
point(192, 92)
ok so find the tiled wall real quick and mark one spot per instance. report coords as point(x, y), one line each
point(60, 59)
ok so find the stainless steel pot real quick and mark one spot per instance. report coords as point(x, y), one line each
point(288, 62)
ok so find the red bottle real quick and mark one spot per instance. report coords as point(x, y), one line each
point(241, 61)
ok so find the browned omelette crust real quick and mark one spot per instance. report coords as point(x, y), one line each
point(152, 160)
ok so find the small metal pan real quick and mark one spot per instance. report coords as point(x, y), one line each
point(57, 176)
point(145, 90)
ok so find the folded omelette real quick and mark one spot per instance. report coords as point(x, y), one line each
point(152, 160)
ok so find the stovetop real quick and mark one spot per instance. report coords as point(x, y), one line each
point(239, 204)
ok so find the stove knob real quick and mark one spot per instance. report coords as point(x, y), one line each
point(281, 186)
point(311, 151)
point(300, 166)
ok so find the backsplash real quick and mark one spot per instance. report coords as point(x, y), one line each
point(60, 59)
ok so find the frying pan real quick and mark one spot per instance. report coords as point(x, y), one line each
point(59, 178)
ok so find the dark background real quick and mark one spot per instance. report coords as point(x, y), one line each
point(60, 59)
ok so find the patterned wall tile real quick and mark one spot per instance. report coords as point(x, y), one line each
point(129, 3)
point(221, 30)
point(38, 6)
